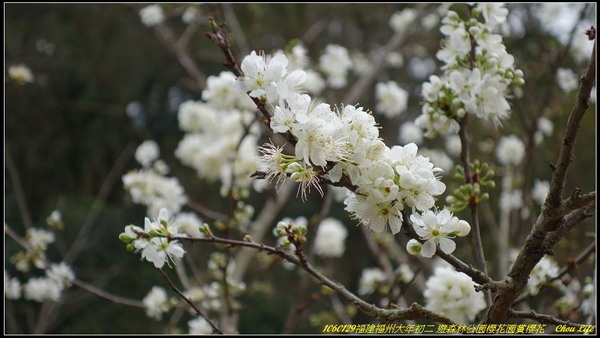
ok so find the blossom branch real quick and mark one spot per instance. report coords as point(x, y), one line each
point(199, 312)
point(541, 318)
point(414, 312)
point(550, 218)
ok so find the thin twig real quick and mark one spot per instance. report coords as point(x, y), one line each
point(206, 212)
point(199, 312)
point(114, 174)
point(542, 318)
point(234, 24)
point(414, 312)
point(15, 180)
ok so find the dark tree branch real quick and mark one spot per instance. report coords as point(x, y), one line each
point(541, 318)
point(550, 219)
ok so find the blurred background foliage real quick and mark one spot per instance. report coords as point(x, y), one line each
point(104, 83)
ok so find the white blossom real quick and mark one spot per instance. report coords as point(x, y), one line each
point(42, 289)
point(400, 20)
point(369, 280)
point(155, 191)
point(199, 325)
point(61, 274)
point(439, 158)
point(511, 200)
point(542, 273)
point(567, 80)
point(268, 77)
point(335, 63)
point(329, 241)
point(453, 145)
point(54, 220)
point(391, 99)
point(510, 150)
point(146, 153)
point(404, 273)
point(314, 83)
point(39, 239)
point(220, 93)
point(493, 13)
point(452, 294)
point(190, 15)
point(21, 74)
point(410, 133)
point(188, 223)
point(152, 15)
point(540, 191)
point(437, 229)
point(156, 302)
point(12, 287)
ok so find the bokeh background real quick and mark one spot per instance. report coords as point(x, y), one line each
point(104, 83)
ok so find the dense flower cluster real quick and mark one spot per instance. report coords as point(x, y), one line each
point(453, 295)
point(478, 72)
point(337, 142)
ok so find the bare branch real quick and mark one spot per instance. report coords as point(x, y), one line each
point(541, 318)
point(15, 180)
point(414, 312)
point(550, 218)
point(199, 312)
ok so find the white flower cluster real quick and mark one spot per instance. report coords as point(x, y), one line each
point(154, 240)
point(400, 20)
point(567, 80)
point(12, 287)
point(477, 76)
point(224, 121)
point(50, 287)
point(335, 63)
point(199, 325)
point(542, 273)
point(545, 127)
point(152, 15)
point(329, 241)
point(391, 99)
point(453, 295)
point(510, 150)
point(149, 186)
point(436, 229)
point(21, 74)
point(156, 302)
point(540, 191)
point(370, 279)
point(342, 141)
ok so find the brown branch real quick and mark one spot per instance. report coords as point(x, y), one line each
point(167, 37)
point(15, 180)
point(199, 312)
point(107, 295)
point(550, 219)
point(541, 318)
point(414, 312)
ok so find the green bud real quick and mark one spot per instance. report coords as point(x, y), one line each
point(212, 24)
point(130, 247)
point(123, 237)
